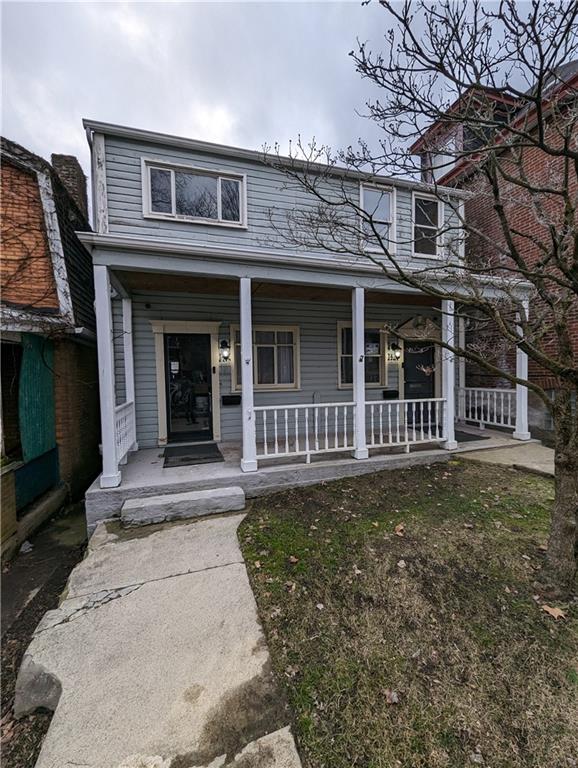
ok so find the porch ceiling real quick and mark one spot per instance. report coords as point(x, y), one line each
point(148, 281)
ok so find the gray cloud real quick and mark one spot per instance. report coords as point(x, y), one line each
point(238, 73)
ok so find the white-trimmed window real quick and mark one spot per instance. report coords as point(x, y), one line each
point(276, 359)
point(427, 214)
point(374, 355)
point(193, 194)
point(378, 203)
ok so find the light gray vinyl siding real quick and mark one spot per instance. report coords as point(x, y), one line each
point(317, 322)
point(271, 197)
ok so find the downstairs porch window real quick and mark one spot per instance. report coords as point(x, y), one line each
point(374, 353)
point(275, 357)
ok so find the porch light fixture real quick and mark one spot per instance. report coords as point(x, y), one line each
point(225, 351)
point(396, 349)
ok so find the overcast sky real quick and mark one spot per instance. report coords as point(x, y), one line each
point(237, 73)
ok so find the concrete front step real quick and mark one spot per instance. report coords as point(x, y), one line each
point(181, 506)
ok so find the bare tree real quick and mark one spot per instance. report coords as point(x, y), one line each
point(491, 79)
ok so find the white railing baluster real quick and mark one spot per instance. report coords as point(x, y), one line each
point(265, 436)
point(489, 406)
point(371, 410)
point(316, 430)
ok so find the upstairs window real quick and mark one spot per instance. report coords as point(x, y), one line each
point(195, 195)
point(426, 225)
point(377, 203)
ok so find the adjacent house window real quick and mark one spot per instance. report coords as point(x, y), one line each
point(377, 202)
point(426, 225)
point(194, 195)
point(275, 357)
point(375, 344)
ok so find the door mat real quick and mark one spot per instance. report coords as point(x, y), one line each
point(187, 455)
point(468, 437)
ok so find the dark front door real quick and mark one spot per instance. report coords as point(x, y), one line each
point(188, 377)
point(418, 370)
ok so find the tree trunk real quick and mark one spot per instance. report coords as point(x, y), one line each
point(558, 576)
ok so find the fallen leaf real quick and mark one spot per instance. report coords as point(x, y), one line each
point(543, 547)
point(556, 613)
point(401, 564)
point(391, 697)
point(468, 525)
point(257, 564)
point(320, 606)
point(293, 559)
point(399, 529)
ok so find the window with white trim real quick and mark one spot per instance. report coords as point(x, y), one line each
point(374, 355)
point(196, 195)
point(377, 202)
point(276, 362)
point(426, 225)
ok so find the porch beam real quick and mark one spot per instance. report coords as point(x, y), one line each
point(448, 374)
point(358, 339)
point(111, 476)
point(522, 430)
point(249, 455)
point(129, 360)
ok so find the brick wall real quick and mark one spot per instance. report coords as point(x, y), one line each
point(77, 414)
point(544, 170)
point(26, 267)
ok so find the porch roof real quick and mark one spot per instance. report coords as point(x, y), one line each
point(156, 255)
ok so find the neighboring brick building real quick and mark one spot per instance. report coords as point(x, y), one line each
point(50, 421)
point(540, 169)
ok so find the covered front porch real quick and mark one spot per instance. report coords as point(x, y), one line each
point(303, 380)
point(144, 473)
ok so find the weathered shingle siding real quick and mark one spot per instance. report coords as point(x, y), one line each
point(77, 258)
point(317, 322)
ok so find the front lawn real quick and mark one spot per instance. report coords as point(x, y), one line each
point(401, 615)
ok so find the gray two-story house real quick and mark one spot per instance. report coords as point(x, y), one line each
point(219, 338)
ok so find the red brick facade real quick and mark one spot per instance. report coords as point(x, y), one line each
point(25, 269)
point(541, 170)
point(77, 415)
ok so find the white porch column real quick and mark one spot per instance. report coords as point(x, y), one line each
point(129, 360)
point(249, 457)
point(110, 477)
point(448, 375)
point(358, 340)
point(461, 370)
point(522, 430)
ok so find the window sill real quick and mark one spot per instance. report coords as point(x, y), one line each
point(269, 390)
point(367, 386)
point(429, 257)
point(203, 222)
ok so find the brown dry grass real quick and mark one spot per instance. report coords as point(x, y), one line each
point(482, 674)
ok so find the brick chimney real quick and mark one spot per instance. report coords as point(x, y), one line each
point(72, 176)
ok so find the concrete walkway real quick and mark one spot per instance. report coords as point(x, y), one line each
point(532, 457)
point(156, 658)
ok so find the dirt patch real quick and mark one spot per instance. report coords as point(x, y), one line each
point(21, 739)
point(401, 614)
point(254, 709)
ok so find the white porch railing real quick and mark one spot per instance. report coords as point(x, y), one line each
point(494, 407)
point(405, 422)
point(302, 430)
point(124, 429)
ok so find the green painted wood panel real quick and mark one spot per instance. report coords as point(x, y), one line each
point(36, 397)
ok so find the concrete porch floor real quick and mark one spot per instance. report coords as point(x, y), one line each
point(144, 474)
